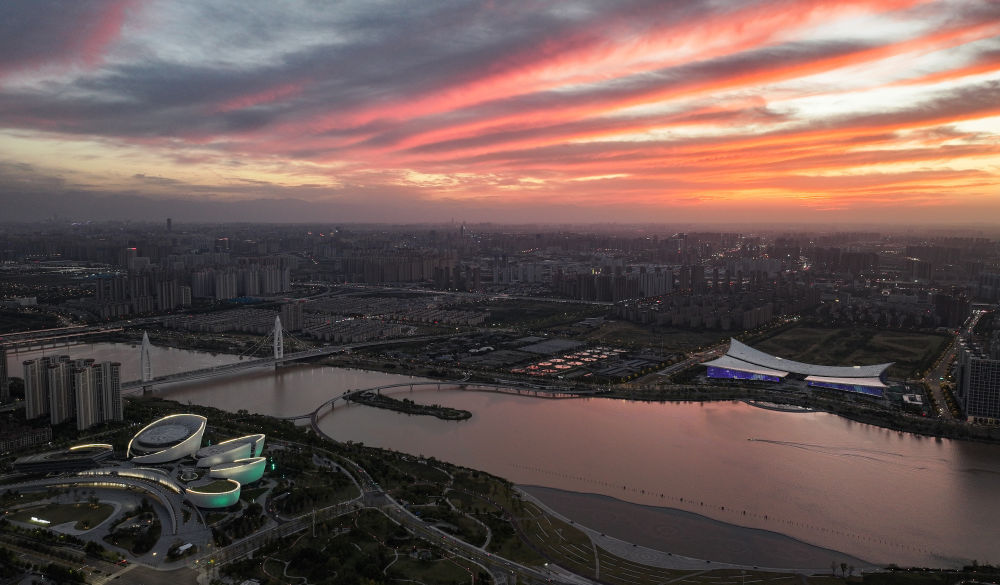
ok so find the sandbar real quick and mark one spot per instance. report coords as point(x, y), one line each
point(688, 534)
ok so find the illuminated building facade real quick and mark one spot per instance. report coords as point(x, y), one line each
point(167, 439)
point(742, 362)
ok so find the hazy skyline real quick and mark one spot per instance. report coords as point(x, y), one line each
point(812, 110)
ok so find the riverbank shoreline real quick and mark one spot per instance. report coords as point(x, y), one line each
point(673, 538)
point(924, 427)
point(919, 426)
point(777, 407)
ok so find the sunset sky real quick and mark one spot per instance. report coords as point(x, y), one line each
point(662, 110)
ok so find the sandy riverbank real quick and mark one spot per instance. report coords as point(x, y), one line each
point(688, 534)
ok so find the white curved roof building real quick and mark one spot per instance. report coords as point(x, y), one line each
point(217, 494)
point(222, 453)
point(743, 362)
point(168, 439)
point(230, 450)
point(745, 353)
point(242, 470)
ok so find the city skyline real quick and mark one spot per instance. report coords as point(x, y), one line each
point(810, 111)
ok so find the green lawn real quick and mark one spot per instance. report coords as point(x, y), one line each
point(468, 503)
point(361, 545)
point(19, 498)
point(540, 314)
point(85, 515)
point(910, 352)
point(446, 570)
point(314, 490)
point(421, 471)
point(615, 569)
point(252, 494)
point(626, 334)
point(563, 542)
point(216, 487)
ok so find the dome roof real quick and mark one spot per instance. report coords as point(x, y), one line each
point(168, 439)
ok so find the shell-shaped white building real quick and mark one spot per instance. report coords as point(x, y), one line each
point(218, 494)
point(230, 450)
point(168, 439)
point(242, 470)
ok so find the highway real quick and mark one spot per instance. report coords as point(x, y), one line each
point(499, 567)
point(495, 565)
point(372, 496)
point(475, 296)
point(939, 372)
point(934, 378)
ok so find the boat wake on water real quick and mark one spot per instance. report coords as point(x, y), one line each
point(854, 452)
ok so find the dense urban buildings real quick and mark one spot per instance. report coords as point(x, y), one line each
point(145, 269)
point(212, 281)
point(624, 312)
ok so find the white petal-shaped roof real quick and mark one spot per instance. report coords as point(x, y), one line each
point(167, 439)
point(731, 363)
point(756, 357)
point(866, 382)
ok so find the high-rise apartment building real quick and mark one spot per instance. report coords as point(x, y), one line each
point(978, 384)
point(36, 386)
point(292, 318)
point(225, 284)
point(109, 382)
point(4, 379)
point(65, 389)
point(88, 405)
point(62, 398)
point(98, 393)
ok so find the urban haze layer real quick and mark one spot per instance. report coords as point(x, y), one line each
point(345, 403)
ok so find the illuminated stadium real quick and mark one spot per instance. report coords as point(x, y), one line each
point(742, 362)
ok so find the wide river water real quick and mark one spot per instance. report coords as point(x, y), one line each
point(880, 495)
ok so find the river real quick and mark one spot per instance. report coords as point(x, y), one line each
point(883, 496)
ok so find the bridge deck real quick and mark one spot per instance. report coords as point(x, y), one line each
point(266, 362)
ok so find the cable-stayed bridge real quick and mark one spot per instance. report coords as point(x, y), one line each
point(148, 381)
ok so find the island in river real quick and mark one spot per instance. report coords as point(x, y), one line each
point(409, 407)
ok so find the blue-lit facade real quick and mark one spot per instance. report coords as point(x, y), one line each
point(744, 363)
point(866, 390)
point(727, 374)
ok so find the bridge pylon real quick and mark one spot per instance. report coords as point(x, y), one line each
point(279, 341)
point(145, 364)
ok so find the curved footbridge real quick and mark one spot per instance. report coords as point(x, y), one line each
point(504, 387)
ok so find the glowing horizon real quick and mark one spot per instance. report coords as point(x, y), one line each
point(883, 109)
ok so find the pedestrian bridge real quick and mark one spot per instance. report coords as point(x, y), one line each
point(504, 386)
